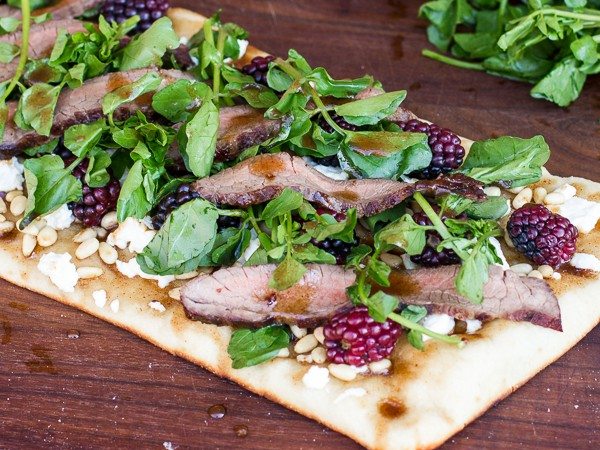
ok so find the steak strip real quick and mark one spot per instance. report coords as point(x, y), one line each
point(41, 41)
point(261, 178)
point(241, 296)
point(82, 105)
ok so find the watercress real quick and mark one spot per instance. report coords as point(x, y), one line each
point(251, 347)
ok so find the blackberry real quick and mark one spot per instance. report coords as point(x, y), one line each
point(182, 194)
point(335, 247)
point(149, 11)
point(228, 222)
point(447, 153)
point(258, 68)
point(95, 202)
point(331, 161)
point(544, 237)
point(339, 120)
point(430, 257)
point(355, 338)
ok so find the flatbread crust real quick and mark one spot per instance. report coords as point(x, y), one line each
point(430, 395)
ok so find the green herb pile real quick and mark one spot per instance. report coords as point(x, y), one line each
point(553, 45)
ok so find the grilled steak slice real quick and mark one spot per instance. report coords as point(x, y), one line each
point(241, 296)
point(82, 105)
point(61, 9)
point(41, 41)
point(259, 179)
point(241, 127)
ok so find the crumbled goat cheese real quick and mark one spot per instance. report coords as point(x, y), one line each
point(60, 269)
point(60, 219)
point(132, 269)
point(581, 212)
point(408, 264)
point(496, 244)
point(438, 323)
point(99, 297)
point(252, 247)
point(473, 325)
point(132, 234)
point(157, 306)
point(585, 261)
point(11, 175)
point(316, 377)
point(352, 392)
point(335, 173)
point(243, 43)
point(566, 190)
point(114, 305)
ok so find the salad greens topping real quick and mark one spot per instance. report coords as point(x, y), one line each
point(550, 43)
point(251, 347)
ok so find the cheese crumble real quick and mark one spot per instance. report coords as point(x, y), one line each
point(60, 269)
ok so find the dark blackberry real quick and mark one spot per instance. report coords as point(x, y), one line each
point(339, 120)
point(355, 338)
point(258, 68)
point(181, 195)
point(332, 161)
point(95, 202)
point(544, 237)
point(336, 247)
point(447, 151)
point(149, 11)
point(430, 257)
point(224, 222)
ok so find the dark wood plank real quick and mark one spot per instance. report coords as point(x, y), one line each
point(108, 388)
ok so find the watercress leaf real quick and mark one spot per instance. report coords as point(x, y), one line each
point(508, 160)
point(42, 149)
point(148, 48)
point(49, 186)
point(287, 274)
point(312, 254)
point(380, 305)
point(36, 107)
point(8, 52)
point(178, 100)
point(227, 253)
point(384, 217)
point(132, 200)
point(342, 230)
point(346, 88)
point(251, 347)
point(9, 24)
point(277, 253)
point(258, 258)
point(3, 117)
point(562, 85)
point(415, 338)
point(188, 234)
point(379, 272)
point(585, 49)
point(257, 95)
point(472, 276)
point(414, 313)
point(357, 255)
point(369, 111)
point(404, 233)
point(80, 139)
point(97, 174)
point(125, 94)
point(201, 134)
point(285, 202)
point(385, 154)
point(491, 208)
point(278, 80)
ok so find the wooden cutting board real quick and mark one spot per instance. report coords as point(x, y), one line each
point(69, 380)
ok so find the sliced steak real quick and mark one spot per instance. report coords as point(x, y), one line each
point(82, 105)
point(261, 178)
point(241, 296)
point(241, 127)
point(60, 9)
point(41, 41)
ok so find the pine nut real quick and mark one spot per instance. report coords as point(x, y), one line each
point(380, 367)
point(10, 196)
point(508, 240)
point(175, 293)
point(546, 270)
point(18, 205)
point(306, 344)
point(522, 268)
point(107, 253)
point(567, 191)
point(87, 248)
point(304, 359)
point(516, 190)
point(33, 228)
point(319, 355)
point(492, 191)
point(391, 260)
point(186, 276)
point(556, 276)
point(319, 334)
point(298, 332)
point(283, 353)
point(553, 198)
point(522, 198)
point(84, 235)
point(342, 372)
point(87, 272)
point(2, 206)
point(535, 274)
point(2, 218)
point(6, 227)
point(101, 232)
point(47, 237)
point(109, 221)
point(539, 194)
point(28, 244)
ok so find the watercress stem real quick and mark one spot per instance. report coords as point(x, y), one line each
point(453, 340)
point(217, 66)
point(451, 61)
point(24, 52)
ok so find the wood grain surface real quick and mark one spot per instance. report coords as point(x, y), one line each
point(107, 388)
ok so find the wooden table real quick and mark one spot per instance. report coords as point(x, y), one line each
point(110, 389)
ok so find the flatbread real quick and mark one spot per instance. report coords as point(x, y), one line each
point(430, 395)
